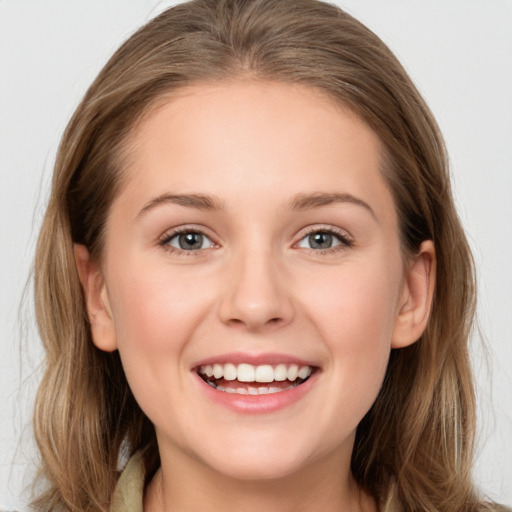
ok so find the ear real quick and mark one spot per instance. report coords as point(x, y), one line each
point(417, 295)
point(96, 299)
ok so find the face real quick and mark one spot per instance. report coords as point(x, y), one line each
point(252, 278)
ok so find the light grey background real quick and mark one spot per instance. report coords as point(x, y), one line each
point(459, 53)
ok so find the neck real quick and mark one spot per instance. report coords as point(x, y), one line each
point(193, 488)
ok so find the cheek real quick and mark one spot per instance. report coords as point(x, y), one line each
point(354, 310)
point(355, 304)
point(155, 309)
point(156, 313)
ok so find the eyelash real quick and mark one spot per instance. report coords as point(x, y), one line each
point(345, 241)
point(168, 236)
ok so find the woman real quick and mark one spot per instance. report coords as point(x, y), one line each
point(252, 271)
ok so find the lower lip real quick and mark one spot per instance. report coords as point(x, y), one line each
point(258, 404)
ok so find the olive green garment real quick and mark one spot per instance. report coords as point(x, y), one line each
point(129, 491)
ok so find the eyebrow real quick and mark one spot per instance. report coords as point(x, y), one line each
point(198, 201)
point(299, 203)
point(320, 199)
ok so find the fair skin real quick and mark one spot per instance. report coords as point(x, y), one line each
point(288, 253)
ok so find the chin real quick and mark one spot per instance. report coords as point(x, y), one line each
point(265, 457)
point(264, 468)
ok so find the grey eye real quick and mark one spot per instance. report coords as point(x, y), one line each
point(190, 241)
point(320, 240)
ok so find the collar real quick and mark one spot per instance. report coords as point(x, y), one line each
point(129, 491)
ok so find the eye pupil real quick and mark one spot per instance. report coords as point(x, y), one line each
point(190, 241)
point(320, 240)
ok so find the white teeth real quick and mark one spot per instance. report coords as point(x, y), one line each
point(230, 372)
point(246, 372)
point(280, 373)
point(264, 373)
point(263, 390)
point(218, 371)
point(293, 372)
point(304, 372)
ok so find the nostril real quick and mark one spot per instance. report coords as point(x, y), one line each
point(235, 322)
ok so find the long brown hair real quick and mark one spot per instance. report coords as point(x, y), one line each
point(415, 445)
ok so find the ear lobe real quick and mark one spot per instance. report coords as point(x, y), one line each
point(96, 299)
point(417, 296)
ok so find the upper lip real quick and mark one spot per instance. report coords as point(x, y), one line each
point(254, 359)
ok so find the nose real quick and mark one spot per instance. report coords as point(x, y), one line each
point(257, 294)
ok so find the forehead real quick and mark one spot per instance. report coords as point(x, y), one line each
point(267, 138)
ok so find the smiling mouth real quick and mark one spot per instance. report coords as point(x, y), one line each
point(247, 379)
